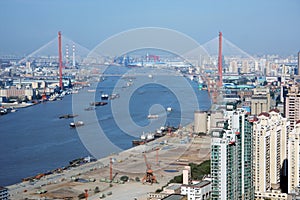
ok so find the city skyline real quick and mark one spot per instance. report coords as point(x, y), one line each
point(267, 27)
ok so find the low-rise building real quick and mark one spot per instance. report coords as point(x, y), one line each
point(272, 195)
point(173, 188)
point(201, 190)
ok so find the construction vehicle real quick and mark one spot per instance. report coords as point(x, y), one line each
point(149, 176)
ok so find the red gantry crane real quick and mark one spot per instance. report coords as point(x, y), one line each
point(149, 176)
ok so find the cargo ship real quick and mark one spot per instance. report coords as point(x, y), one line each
point(145, 138)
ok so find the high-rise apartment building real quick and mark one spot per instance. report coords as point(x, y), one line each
point(231, 160)
point(270, 133)
point(292, 105)
point(233, 67)
point(294, 159)
point(298, 62)
point(260, 101)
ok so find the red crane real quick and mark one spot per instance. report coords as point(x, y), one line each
point(220, 61)
point(149, 176)
point(110, 169)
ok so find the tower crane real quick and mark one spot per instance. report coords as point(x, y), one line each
point(149, 176)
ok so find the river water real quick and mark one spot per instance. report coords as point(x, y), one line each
point(34, 140)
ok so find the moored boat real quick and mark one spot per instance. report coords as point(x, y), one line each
point(76, 124)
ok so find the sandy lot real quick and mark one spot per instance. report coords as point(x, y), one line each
point(171, 152)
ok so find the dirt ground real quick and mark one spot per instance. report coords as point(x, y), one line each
point(166, 156)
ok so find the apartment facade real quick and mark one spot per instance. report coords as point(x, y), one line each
point(292, 105)
point(260, 101)
point(231, 160)
point(270, 133)
point(293, 159)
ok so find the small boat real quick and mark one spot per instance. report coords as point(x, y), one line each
point(114, 96)
point(89, 108)
point(91, 90)
point(76, 124)
point(169, 109)
point(101, 103)
point(3, 111)
point(104, 97)
point(152, 116)
point(67, 116)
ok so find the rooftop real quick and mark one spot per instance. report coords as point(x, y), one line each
point(200, 184)
point(264, 114)
point(2, 188)
point(175, 197)
point(173, 187)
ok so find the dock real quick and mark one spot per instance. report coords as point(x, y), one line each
point(160, 155)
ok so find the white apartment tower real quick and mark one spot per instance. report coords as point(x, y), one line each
point(294, 159)
point(270, 133)
point(292, 105)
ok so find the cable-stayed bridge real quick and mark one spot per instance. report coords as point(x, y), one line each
point(74, 52)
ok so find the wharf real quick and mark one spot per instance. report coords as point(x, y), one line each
point(16, 105)
point(170, 152)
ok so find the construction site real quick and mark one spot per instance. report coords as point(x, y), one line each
point(131, 174)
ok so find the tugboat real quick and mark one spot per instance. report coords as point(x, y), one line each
point(76, 124)
point(104, 97)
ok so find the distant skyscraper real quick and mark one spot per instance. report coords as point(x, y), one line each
point(270, 134)
point(260, 101)
point(231, 160)
point(233, 67)
point(245, 66)
point(73, 57)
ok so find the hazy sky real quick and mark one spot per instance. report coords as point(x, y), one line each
point(256, 26)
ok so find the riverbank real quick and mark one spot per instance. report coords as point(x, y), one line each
point(16, 105)
point(168, 153)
